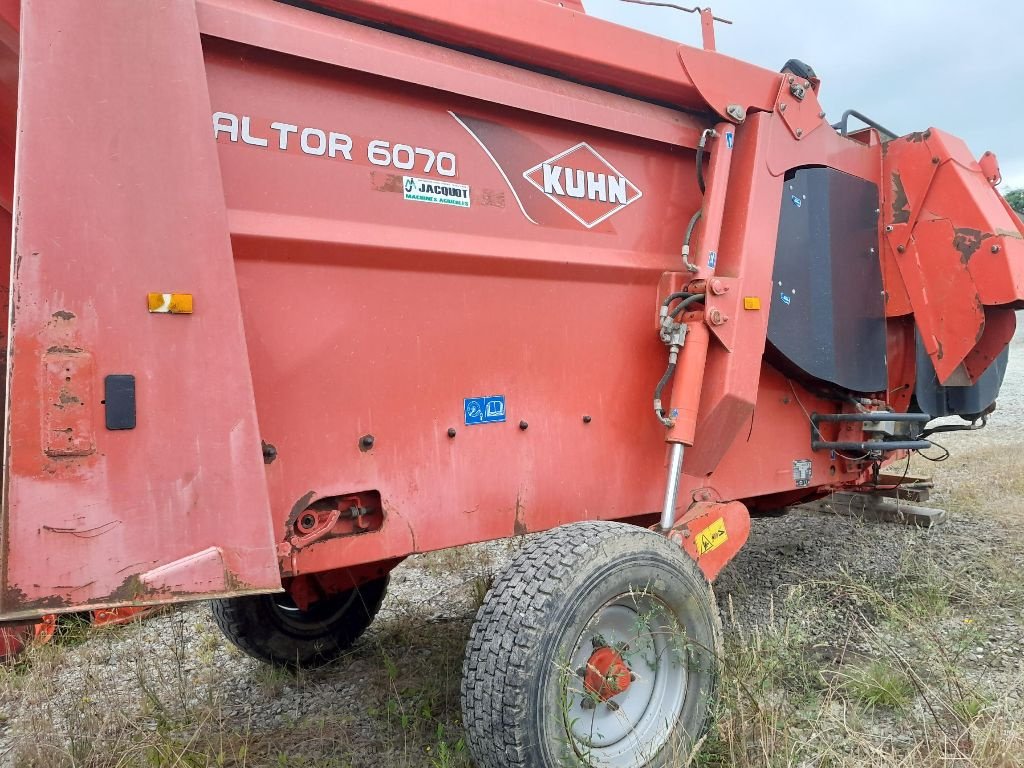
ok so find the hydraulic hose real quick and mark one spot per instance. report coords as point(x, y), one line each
point(690, 266)
point(685, 303)
point(665, 379)
point(700, 156)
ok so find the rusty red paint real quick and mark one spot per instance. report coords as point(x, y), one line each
point(330, 307)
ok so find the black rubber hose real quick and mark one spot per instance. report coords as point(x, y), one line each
point(677, 295)
point(661, 387)
point(685, 303)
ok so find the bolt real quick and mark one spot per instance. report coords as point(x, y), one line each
point(587, 703)
point(718, 287)
point(686, 533)
point(807, 83)
point(799, 132)
point(888, 227)
point(935, 161)
point(791, 79)
point(587, 419)
point(523, 425)
point(821, 114)
point(994, 249)
point(782, 107)
point(612, 705)
point(736, 112)
point(900, 249)
point(269, 452)
point(451, 431)
point(307, 521)
point(715, 317)
point(365, 443)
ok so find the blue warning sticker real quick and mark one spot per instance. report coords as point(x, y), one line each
point(785, 297)
point(484, 410)
point(712, 259)
point(796, 200)
point(728, 140)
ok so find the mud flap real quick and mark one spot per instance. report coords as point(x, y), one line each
point(712, 533)
point(118, 195)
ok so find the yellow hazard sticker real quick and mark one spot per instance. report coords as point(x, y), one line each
point(712, 537)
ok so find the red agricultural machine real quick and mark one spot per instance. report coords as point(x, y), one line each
point(300, 289)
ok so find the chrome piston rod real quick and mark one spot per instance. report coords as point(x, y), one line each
point(675, 467)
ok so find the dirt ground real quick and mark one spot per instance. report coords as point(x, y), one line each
point(848, 643)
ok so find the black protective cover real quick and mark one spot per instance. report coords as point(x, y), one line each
point(937, 400)
point(827, 310)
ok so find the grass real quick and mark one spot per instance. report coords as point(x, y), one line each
point(910, 665)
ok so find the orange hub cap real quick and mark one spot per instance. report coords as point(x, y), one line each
point(607, 674)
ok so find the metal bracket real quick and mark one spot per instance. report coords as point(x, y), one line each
point(868, 446)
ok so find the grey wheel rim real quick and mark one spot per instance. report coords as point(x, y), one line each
point(627, 729)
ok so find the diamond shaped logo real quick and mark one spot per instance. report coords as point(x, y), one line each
point(583, 184)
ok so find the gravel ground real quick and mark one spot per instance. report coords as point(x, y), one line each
point(393, 701)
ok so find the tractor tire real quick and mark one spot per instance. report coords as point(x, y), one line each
point(598, 646)
point(273, 629)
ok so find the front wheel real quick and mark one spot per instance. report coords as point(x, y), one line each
point(598, 647)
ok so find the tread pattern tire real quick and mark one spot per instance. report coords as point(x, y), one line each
point(511, 635)
point(255, 624)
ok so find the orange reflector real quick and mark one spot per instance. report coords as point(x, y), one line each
point(751, 302)
point(171, 303)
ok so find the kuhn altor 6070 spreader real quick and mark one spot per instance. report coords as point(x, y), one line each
point(298, 290)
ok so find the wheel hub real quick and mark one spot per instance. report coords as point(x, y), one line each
point(607, 674)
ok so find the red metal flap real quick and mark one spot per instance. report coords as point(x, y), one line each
point(119, 194)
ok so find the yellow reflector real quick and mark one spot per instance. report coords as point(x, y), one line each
point(751, 302)
point(171, 303)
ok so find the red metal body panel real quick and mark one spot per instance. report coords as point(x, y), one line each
point(118, 193)
point(411, 226)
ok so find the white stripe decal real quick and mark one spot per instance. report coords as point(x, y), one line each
point(496, 165)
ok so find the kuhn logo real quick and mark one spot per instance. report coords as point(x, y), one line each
point(584, 184)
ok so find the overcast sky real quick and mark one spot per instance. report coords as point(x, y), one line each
point(908, 64)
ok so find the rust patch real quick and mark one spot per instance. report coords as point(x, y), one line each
point(918, 136)
point(968, 241)
point(519, 526)
point(494, 198)
point(63, 314)
point(64, 350)
point(66, 398)
point(900, 203)
point(386, 182)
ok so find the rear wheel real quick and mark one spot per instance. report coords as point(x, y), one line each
point(274, 629)
point(597, 647)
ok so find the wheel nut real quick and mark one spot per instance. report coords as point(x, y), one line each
point(587, 703)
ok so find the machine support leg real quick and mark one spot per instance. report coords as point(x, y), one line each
point(675, 467)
